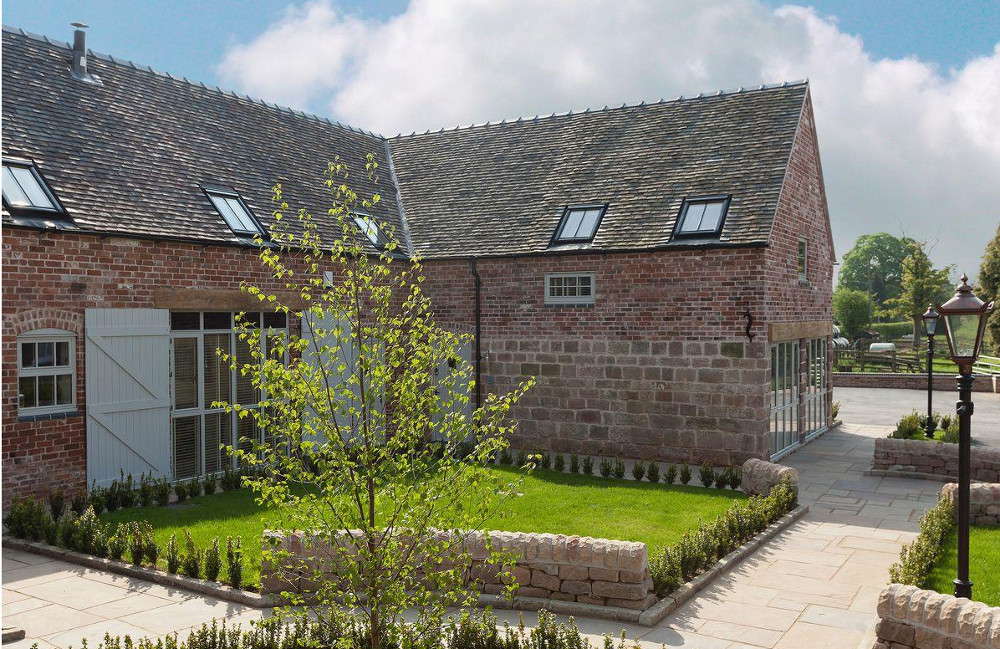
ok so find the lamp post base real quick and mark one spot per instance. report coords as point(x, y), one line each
point(963, 588)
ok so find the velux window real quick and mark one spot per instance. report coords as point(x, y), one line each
point(25, 189)
point(579, 223)
point(234, 211)
point(702, 216)
point(367, 224)
point(569, 288)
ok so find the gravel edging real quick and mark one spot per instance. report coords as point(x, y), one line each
point(211, 588)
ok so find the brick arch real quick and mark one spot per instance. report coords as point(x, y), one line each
point(44, 318)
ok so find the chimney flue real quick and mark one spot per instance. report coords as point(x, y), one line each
point(80, 53)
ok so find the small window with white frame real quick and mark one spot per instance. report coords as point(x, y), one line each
point(46, 372)
point(234, 211)
point(25, 189)
point(802, 260)
point(369, 227)
point(569, 288)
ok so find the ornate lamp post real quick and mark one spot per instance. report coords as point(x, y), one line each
point(965, 318)
point(930, 318)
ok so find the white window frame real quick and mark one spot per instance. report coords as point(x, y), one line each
point(48, 336)
point(570, 299)
point(802, 246)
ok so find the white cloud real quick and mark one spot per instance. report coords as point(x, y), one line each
point(905, 146)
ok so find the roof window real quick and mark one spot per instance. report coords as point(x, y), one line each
point(25, 189)
point(579, 223)
point(702, 216)
point(234, 211)
point(370, 227)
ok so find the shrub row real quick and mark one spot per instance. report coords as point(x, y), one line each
point(914, 426)
point(890, 331)
point(29, 519)
point(615, 468)
point(917, 559)
point(698, 550)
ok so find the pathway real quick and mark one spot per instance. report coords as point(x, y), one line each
point(815, 585)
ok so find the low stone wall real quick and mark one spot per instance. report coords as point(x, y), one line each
point(910, 618)
point(549, 566)
point(760, 476)
point(984, 501)
point(930, 458)
point(908, 381)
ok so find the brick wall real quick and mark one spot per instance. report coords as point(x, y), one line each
point(914, 456)
point(906, 381)
point(910, 618)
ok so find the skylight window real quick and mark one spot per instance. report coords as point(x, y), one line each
point(370, 227)
point(235, 212)
point(702, 216)
point(25, 189)
point(579, 223)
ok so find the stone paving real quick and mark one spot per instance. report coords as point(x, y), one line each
point(814, 586)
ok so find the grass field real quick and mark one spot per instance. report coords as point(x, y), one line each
point(984, 559)
point(559, 503)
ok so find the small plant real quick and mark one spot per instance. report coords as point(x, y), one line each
point(685, 475)
point(230, 480)
point(735, 478)
point(670, 475)
point(194, 488)
point(722, 478)
point(546, 461)
point(522, 459)
point(191, 562)
point(917, 559)
point(574, 463)
point(67, 531)
point(835, 410)
point(127, 496)
point(136, 543)
point(213, 562)
point(505, 457)
point(28, 518)
point(57, 502)
point(99, 543)
point(234, 562)
point(619, 469)
point(638, 470)
point(559, 464)
point(606, 467)
point(87, 527)
point(111, 499)
point(588, 465)
point(653, 472)
point(162, 494)
point(97, 498)
point(79, 503)
point(706, 474)
point(173, 555)
point(118, 543)
point(908, 427)
point(211, 485)
point(181, 490)
point(146, 492)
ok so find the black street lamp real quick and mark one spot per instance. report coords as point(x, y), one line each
point(930, 318)
point(965, 318)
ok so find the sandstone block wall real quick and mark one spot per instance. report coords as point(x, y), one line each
point(984, 502)
point(910, 618)
point(549, 566)
point(911, 456)
point(759, 476)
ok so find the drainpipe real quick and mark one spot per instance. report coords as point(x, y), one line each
point(479, 330)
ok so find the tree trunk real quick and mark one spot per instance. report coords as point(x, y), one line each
point(916, 332)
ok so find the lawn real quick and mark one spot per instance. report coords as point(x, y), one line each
point(984, 557)
point(559, 503)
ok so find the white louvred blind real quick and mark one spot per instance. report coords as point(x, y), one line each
point(217, 433)
point(185, 373)
point(186, 456)
point(217, 380)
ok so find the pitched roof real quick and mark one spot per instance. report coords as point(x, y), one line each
point(499, 189)
point(129, 156)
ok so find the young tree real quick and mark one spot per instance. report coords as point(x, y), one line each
point(851, 309)
point(922, 285)
point(989, 290)
point(875, 266)
point(369, 448)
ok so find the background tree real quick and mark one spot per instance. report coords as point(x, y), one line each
point(989, 289)
point(851, 309)
point(922, 285)
point(368, 444)
point(875, 266)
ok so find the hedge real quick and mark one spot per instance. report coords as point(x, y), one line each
point(893, 330)
point(917, 559)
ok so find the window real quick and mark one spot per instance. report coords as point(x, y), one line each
point(803, 260)
point(579, 223)
point(702, 216)
point(46, 362)
point(25, 189)
point(370, 228)
point(234, 211)
point(569, 288)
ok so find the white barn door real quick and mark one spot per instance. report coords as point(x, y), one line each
point(128, 393)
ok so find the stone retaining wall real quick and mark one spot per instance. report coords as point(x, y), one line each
point(910, 618)
point(760, 476)
point(907, 381)
point(911, 456)
point(984, 502)
point(549, 566)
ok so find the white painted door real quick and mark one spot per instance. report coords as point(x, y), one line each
point(128, 393)
point(461, 386)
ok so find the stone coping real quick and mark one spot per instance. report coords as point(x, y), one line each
point(984, 501)
point(911, 618)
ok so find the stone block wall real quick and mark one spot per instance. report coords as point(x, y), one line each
point(910, 618)
point(549, 566)
point(984, 501)
point(912, 456)
point(906, 381)
point(760, 476)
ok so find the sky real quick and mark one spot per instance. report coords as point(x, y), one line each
point(906, 92)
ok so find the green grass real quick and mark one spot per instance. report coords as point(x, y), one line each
point(559, 503)
point(984, 557)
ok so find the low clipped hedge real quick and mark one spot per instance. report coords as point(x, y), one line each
point(890, 331)
point(917, 559)
point(699, 550)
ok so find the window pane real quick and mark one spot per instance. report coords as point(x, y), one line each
point(246, 221)
point(227, 212)
point(712, 217)
point(62, 353)
point(185, 320)
point(12, 191)
point(64, 389)
point(218, 320)
point(588, 224)
point(46, 391)
point(692, 217)
point(573, 220)
point(185, 373)
point(46, 354)
point(275, 320)
point(27, 354)
point(246, 392)
point(187, 462)
point(217, 380)
point(217, 434)
point(27, 393)
point(249, 319)
point(29, 183)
